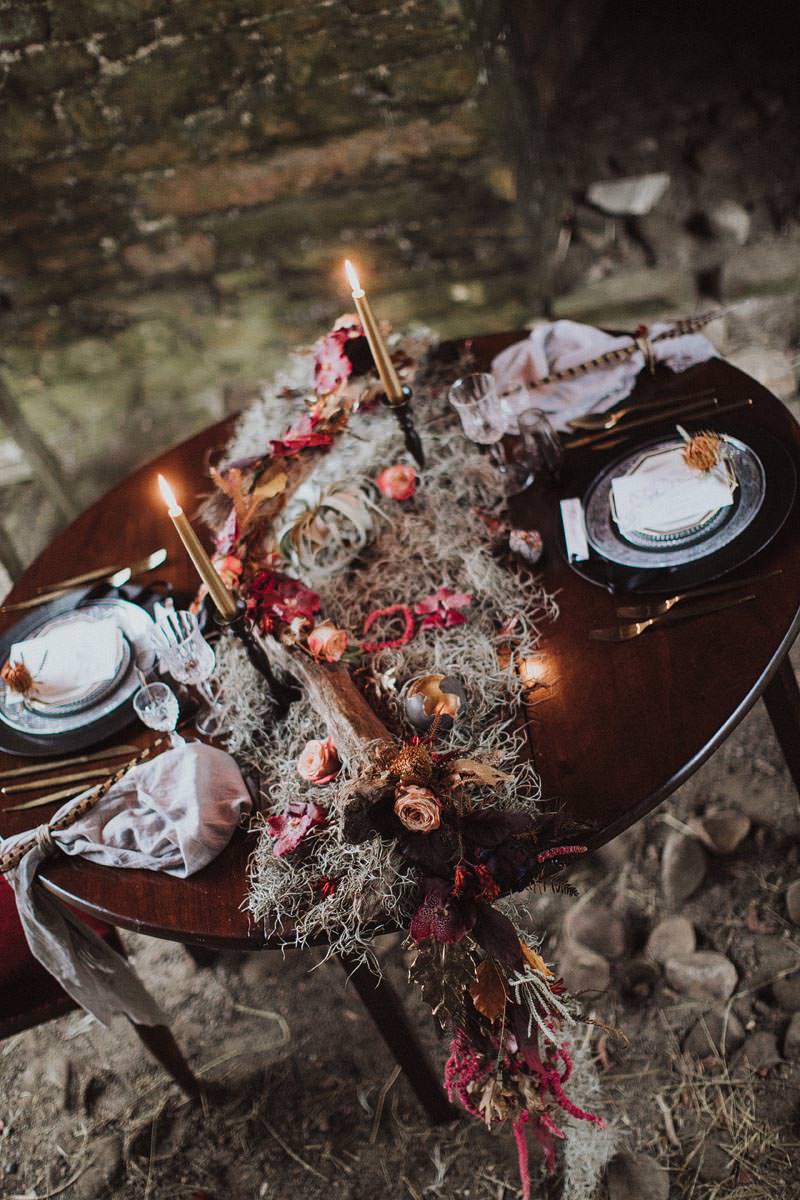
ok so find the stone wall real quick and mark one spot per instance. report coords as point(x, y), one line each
point(182, 179)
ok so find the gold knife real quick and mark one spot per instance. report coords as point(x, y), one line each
point(115, 576)
point(42, 767)
point(32, 785)
point(624, 633)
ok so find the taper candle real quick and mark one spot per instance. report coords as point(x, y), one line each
point(389, 379)
point(222, 598)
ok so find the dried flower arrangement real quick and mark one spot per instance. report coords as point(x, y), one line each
point(703, 451)
point(424, 830)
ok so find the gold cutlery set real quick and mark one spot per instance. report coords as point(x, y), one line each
point(115, 576)
point(608, 430)
point(641, 617)
point(44, 778)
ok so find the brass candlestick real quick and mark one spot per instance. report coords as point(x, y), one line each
point(283, 692)
point(398, 395)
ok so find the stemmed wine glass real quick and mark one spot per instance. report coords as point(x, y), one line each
point(156, 706)
point(486, 416)
point(474, 397)
point(187, 656)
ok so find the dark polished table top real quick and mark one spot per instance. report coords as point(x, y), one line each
point(615, 728)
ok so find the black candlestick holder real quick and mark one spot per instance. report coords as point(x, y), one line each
point(283, 692)
point(402, 411)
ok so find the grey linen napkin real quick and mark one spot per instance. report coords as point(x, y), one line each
point(174, 814)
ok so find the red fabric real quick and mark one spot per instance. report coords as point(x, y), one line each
point(24, 983)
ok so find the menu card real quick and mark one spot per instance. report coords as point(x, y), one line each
point(666, 494)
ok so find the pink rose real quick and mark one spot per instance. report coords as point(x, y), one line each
point(318, 762)
point(417, 808)
point(398, 482)
point(229, 568)
point(327, 642)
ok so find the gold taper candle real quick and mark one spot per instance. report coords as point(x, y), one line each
point(391, 384)
point(223, 600)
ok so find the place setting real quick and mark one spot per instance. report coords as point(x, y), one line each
point(69, 666)
point(663, 490)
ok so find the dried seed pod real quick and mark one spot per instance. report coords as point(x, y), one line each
point(430, 698)
point(703, 451)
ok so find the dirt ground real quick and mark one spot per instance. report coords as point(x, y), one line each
point(314, 1107)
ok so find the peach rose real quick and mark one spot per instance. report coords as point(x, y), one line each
point(417, 808)
point(318, 762)
point(327, 642)
point(229, 567)
point(398, 482)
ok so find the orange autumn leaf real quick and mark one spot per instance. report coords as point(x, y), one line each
point(488, 990)
point(536, 961)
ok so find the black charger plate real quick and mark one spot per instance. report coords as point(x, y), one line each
point(781, 487)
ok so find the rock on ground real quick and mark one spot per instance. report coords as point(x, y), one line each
point(715, 1033)
point(759, 1052)
point(723, 831)
point(683, 867)
point(637, 1177)
point(583, 970)
point(704, 975)
point(793, 901)
point(633, 196)
point(671, 937)
point(598, 928)
point(791, 1039)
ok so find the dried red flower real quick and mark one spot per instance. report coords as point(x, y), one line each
point(289, 828)
point(300, 436)
point(273, 597)
point(443, 608)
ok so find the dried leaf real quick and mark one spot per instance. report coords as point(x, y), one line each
point(472, 770)
point(272, 487)
point(488, 990)
point(536, 961)
point(442, 973)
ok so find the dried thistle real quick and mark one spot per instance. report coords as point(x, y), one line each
point(18, 678)
point(703, 451)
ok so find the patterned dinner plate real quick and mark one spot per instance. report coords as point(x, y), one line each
point(704, 534)
point(37, 729)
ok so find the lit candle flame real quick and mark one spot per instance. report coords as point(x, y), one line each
point(352, 278)
point(170, 499)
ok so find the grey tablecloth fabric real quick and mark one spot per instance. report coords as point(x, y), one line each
point(557, 345)
point(173, 814)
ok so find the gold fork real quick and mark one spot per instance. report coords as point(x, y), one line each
point(598, 422)
point(624, 633)
point(642, 612)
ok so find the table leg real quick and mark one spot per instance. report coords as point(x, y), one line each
point(384, 1006)
point(162, 1045)
point(782, 698)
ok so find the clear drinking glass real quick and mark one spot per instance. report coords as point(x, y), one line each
point(156, 706)
point(474, 397)
point(540, 443)
point(187, 656)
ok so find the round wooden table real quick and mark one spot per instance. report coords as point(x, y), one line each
point(615, 728)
